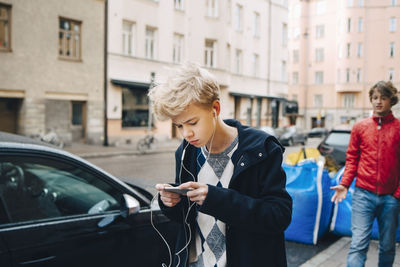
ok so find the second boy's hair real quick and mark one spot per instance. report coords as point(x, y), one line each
point(386, 89)
point(187, 85)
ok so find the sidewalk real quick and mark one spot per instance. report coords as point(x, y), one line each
point(335, 255)
point(93, 151)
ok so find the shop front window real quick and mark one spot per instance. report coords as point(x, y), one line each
point(135, 107)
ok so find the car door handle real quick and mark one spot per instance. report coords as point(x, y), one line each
point(38, 260)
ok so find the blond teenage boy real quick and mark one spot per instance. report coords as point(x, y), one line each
point(238, 207)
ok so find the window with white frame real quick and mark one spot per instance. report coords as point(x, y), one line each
point(210, 53)
point(359, 49)
point(319, 77)
point(360, 3)
point(179, 4)
point(296, 33)
point(391, 74)
point(212, 8)
point(150, 43)
point(296, 11)
point(256, 26)
point(340, 51)
point(320, 31)
point(319, 54)
point(360, 24)
point(177, 49)
point(348, 50)
point(238, 17)
point(284, 34)
point(393, 2)
point(5, 27)
point(69, 38)
point(392, 24)
point(321, 7)
point(128, 38)
point(295, 55)
point(347, 75)
point(348, 100)
point(295, 77)
point(349, 3)
point(358, 75)
point(256, 65)
point(238, 61)
point(284, 71)
point(391, 49)
point(318, 101)
point(348, 25)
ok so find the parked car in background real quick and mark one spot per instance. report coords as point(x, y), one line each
point(293, 135)
point(318, 132)
point(57, 209)
point(334, 146)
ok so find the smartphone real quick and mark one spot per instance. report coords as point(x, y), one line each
point(177, 190)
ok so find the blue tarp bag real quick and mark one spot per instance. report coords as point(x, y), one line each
point(308, 184)
point(341, 218)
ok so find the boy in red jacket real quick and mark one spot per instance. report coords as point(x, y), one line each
point(373, 157)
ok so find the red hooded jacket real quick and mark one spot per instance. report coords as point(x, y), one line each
point(373, 156)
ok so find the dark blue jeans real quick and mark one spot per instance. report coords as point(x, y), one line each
point(366, 206)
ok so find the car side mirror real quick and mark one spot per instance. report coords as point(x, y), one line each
point(132, 204)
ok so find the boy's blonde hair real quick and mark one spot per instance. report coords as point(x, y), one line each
point(189, 84)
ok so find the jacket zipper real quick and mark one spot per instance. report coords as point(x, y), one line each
point(377, 163)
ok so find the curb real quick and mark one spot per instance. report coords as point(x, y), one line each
point(103, 154)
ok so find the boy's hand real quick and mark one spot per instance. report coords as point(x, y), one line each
point(169, 199)
point(340, 194)
point(199, 192)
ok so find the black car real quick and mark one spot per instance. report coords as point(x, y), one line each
point(57, 209)
point(318, 132)
point(293, 135)
point(334, 146)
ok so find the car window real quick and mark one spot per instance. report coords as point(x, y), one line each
point(338, 139)
point(34, 188)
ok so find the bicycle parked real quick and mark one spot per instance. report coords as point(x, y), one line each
point(147, 143)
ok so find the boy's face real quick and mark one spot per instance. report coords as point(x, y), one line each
point(196, 124)
point(380, 103)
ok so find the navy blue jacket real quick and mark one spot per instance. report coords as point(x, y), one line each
point(256, 207)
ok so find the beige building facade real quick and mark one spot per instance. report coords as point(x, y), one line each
point(52, 68)
point(243, 43)
point(337, 51)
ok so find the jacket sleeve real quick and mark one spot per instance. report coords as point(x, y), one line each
point(268, 211)
point(352, 158)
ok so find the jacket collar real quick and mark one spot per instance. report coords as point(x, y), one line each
point(385, 119)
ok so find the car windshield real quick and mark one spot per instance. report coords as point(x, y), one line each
point(338, 139)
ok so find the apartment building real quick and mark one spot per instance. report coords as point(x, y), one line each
point(52, 68)
point(243, 43)
point(337, 51)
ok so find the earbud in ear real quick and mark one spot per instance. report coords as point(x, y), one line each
point(215, 113)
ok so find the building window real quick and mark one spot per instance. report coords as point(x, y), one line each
point(319, 77)
point(296, 11)
point(391, 49)
point(349, 3)
point(295, 55)
point(238, 61)
point(284, 35)
point(295, 77)
point(296, 33)
point(360, 3)
point(256, 65)
point(128, 41)
point(177, 50)
point(69, 39)
point(348, 26)
point(77, 113)
point(320, 31)
point(238, 17)
point(391, 74)
point(256, 26)
point(348, 51)
point(321, 7)
point(348, 100)
point(358, 75)
point(359, 49)
point(360, 24)
point(5, 29)
point(135, 107)
point(284, 71)
point(318, 101)
point(393, 2)
point(210, 54)
point(179, 4)
point(347, 75)
point(340, 51)
point(319, 54)
point(150, 43)
point(212, 8)
point(392, 25)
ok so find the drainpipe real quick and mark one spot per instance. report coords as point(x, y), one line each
point(105, 143)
